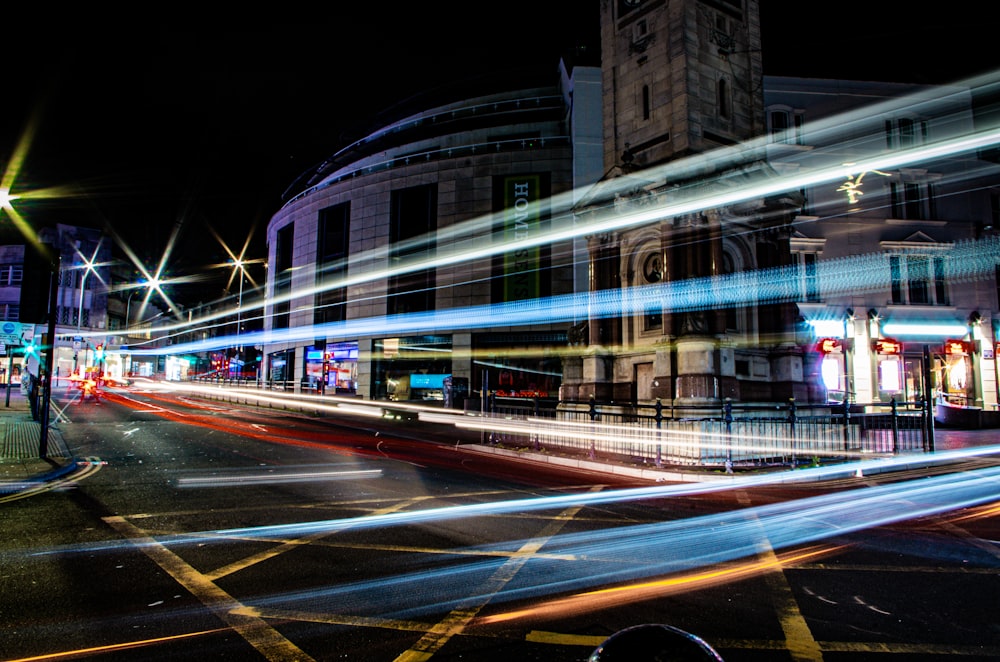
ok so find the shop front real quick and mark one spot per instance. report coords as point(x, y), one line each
point(281, 366)
point(413, 369)
point(331, 368)
point(519, 365)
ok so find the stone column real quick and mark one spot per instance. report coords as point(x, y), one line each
point(604, 328)
point(696, 252)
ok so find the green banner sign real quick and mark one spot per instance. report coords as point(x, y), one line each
point(522, 221)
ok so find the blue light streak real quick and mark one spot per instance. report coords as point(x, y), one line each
point(584, 561)
point(868, 154)
point(967, 261)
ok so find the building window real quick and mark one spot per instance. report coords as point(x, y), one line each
point(734, 322)
point(331, 263)
point(645, 102)
point(283, 278)
point(652, 273)
point(412, 224)
point(808, 276)
point(11, 274)
point(918, 280)
point(723, 99)
point(905, 132)
point(913, 200)
point(785, 125)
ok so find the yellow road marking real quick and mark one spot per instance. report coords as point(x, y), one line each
point(289, 545)
point(335, 619)
point(268, 641)
point(798, 637)
point(455, 622)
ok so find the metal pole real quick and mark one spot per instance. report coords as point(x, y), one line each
point(43, 441)
point(929, 398)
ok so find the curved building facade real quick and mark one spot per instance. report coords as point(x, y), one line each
point(436, 212)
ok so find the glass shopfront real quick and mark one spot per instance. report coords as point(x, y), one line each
point(332, 369)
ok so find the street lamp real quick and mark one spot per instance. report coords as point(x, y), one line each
point(150, 285)
point(238, 264)
point(88, 266)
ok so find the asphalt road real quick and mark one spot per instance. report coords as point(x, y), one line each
point(224, 533)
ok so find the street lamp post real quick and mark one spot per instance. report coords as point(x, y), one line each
point(238, 265)
point(88, 266)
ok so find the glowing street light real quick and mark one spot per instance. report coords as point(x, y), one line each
point(88, 265)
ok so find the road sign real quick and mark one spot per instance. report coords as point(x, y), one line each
point(10, 333)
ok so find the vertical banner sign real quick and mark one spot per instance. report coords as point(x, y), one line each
point(522, 220)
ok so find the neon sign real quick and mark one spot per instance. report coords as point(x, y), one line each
point(887, 346)
point(956, 348)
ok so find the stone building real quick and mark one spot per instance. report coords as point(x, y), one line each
point(672, 226)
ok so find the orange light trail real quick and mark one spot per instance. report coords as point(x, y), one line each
point(80, 652)
point(610, 597)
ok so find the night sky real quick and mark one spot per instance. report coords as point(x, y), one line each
point(161, 124)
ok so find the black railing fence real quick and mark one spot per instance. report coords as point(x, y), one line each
point(731, 435)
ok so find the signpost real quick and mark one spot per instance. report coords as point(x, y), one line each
point(11, 334)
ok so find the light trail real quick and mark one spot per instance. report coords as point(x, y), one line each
point(566, 226)
point(81, 652)
point(967, 261)
point(658, 491)
point(657, 555)
point(275, 478)
point(679, 439)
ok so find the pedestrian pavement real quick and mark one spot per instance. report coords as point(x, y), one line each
point(21, 463)
point(22, 466)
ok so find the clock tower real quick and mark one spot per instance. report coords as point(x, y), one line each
point(683, 78)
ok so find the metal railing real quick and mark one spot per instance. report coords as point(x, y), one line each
point(735, 435)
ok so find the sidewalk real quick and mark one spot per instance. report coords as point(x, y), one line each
point(20, 437)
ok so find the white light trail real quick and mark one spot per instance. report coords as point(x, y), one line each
point(566, 226)
point(275, 478)
point(587, 560)
point(967, 261)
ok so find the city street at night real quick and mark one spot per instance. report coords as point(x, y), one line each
point(572, 331)
point(227, 532)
